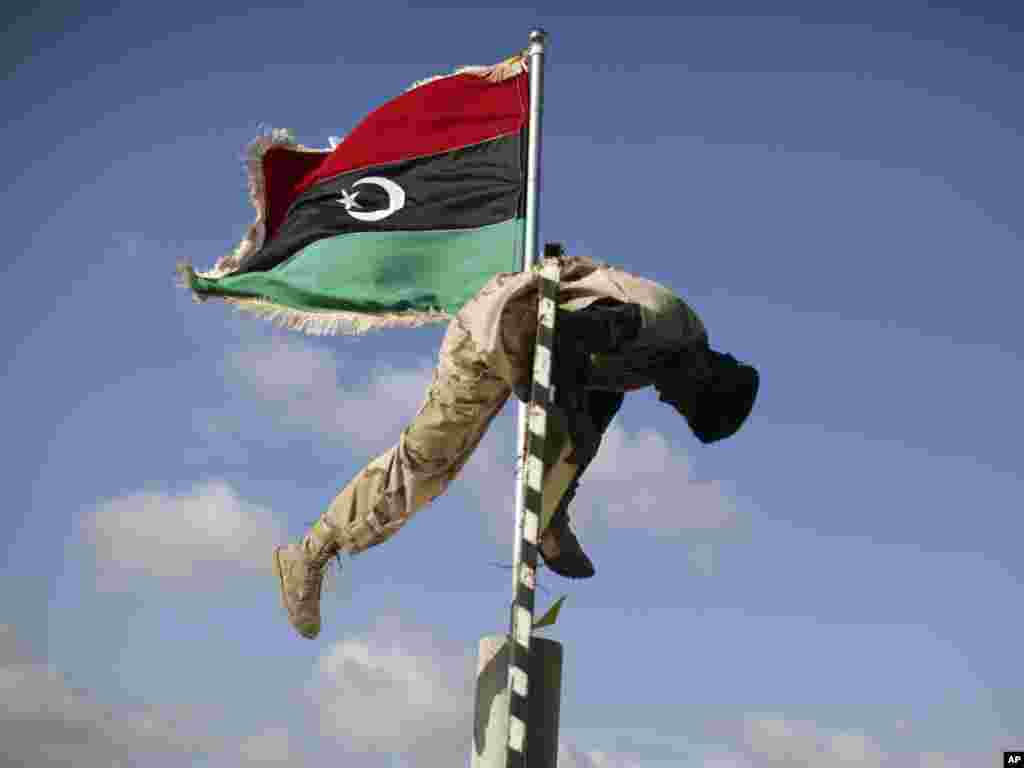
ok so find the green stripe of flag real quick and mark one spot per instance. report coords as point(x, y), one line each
point(375, 272)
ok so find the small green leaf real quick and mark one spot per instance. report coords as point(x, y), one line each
point(551, 616)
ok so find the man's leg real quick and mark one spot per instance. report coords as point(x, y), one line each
point(558, 472)
point(561, 482)
point(463, 399)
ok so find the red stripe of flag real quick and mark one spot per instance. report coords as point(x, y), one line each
point(445, 114)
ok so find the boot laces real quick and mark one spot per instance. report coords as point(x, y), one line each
point(318, 570)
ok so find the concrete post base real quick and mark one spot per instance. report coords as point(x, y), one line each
point(490, 726)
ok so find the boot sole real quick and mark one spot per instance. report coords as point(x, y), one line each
point(280, 576)
point(280, 583)
point(567, 573)
point(571, 564)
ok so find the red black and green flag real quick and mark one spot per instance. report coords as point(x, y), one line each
point(400, 223)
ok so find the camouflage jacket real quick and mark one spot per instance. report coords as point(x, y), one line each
point(502, 321)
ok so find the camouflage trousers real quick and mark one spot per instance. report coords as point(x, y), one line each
point(467, 392)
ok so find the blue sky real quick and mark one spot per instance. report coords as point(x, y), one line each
point(834, 187)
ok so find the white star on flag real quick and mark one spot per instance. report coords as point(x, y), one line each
point(348, 199)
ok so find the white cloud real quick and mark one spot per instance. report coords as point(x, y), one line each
point(271, 746)
point(940, 760)
point(300, 382)
point(774, 741)
point(182, 537)
point(395, 690)
point(727, 760)
point(638, 481)
point(570, 757)
point(785, 743)
point(44, 722)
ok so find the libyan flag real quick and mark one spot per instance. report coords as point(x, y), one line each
point(398, 224)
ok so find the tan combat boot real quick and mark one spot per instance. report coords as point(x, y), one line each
point(300, 571)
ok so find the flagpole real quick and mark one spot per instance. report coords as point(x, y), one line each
point(536, 67)
point(530, 247)
point(524, 573)
point(523, 671)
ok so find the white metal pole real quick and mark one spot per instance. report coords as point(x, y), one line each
point(538, 38)
point(519, 677)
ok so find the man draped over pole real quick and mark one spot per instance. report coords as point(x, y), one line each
point(619, 333)
point(416, 217)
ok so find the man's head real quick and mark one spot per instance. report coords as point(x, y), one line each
point(716, 403)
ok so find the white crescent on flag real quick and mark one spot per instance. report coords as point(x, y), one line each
point(396, 199)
